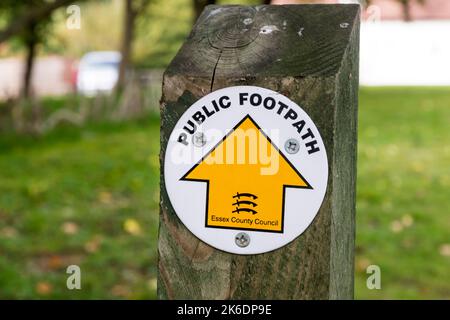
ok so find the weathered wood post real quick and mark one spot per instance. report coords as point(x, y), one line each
point(309, 54)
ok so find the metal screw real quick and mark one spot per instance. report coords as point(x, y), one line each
point(291, 146)
point(198, 139)
point(242, 239)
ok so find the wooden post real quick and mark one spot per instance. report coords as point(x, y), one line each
point(311, 56)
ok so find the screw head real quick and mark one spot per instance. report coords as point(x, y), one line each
point(292, 146)
point(242, 239)
point(199, 139)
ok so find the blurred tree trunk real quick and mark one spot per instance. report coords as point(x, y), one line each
point(31, 42)
point(40, 13)
point(133, 8)
point(127, 41)
point(199, 5)
point(406, 10)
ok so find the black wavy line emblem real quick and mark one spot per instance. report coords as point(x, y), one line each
point(246, 203)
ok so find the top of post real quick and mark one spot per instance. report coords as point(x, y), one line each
point(267, 40)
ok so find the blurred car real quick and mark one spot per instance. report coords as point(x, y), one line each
point(98, 72)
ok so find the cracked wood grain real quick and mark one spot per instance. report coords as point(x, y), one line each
point(214, 72)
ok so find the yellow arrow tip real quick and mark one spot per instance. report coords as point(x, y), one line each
point(247, 153)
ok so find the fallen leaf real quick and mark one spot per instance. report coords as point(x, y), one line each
point(105, 197)
point(69, 228)
point(444, 250)
point(407, 220)
point(132, 227)
point(8, 232)
point(120, 290)
point(152, 284)
point(55, 262)
point(50, 262)
point(44, 288)
point(396, 226)
point(94, 244)
point(362, 264)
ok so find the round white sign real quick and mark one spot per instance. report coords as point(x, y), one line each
point(246, 169)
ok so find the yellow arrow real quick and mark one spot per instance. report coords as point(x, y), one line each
point(246, 178)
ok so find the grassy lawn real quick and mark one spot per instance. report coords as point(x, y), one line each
point(89, 197)
point(403, 204)
point(86, 197)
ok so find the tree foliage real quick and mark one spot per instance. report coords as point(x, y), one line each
point(29, 22)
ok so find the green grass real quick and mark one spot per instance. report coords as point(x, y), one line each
point(403, 202)
point(101, 181)
point(89, 197)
